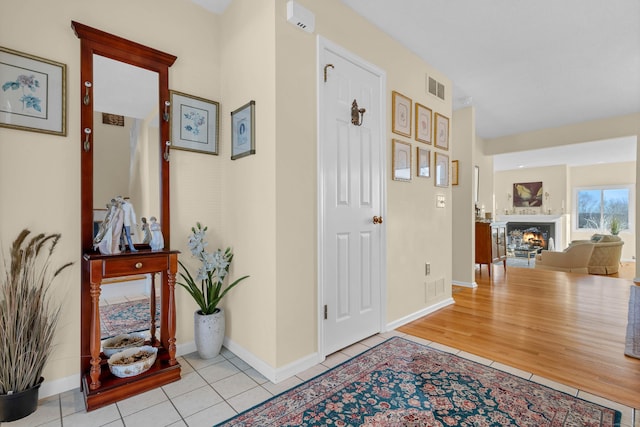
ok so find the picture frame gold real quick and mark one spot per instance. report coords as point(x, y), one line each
point(400, 114)
point(454, 172)
point(441, 170)
point(423, 123)
point(441, 131)
point(34, 93)
point(194, 123)
point(423, 162)
point(401, 161)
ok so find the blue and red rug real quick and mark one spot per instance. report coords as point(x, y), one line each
point(124, 317)
point(402, 383)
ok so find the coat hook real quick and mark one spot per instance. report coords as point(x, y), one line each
point(86, 100)
point(166, 111)
point(166, 150)
point(357, 115)
point(325, 71)
point(87, 144)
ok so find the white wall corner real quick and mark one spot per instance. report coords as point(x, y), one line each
point(465, 284)
point(418, 314)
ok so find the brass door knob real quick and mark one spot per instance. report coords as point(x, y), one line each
point(377, 220)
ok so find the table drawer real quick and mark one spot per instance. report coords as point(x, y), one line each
point(127, 266)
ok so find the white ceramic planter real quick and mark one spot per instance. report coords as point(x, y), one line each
point(209, 333)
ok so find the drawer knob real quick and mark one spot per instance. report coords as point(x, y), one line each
point(138, 265)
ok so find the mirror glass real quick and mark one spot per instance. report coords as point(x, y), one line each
point(126, 139)
point(125, 163)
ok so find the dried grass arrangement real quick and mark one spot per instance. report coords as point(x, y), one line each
point(28, 316)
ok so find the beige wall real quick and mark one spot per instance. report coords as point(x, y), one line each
point(262, 205)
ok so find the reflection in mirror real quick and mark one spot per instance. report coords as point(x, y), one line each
point(126, 136)
point(126, 153)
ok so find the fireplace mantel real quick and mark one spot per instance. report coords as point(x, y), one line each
point(556, 219)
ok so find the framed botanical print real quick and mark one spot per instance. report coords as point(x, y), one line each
point(441, 131)
point(441, 170)
point(423, 124)
point(34, 92)
point(401, 114)
point(401, 161)
point(194, 123)
point(424, 162)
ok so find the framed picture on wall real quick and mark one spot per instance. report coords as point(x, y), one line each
point(401, 114)
point(454, 172)
point(194, 123)
point(401, 161)
point(441, 170)
point(527, 194)
point(34, 92)
point(424, 162)
point(243, 131)
point(423, 124)
point(441, 131)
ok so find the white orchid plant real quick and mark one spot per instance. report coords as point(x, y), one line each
point(214, 268)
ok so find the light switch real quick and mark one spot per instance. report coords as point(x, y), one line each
point(440, 203)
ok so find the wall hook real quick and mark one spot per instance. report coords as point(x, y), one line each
point(325, 71)
point(165, 116)
point(87, 99)
point(166, 150)
point(87, 145)
point(357, 114)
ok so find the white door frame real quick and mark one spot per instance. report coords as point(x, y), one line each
point(323, 45)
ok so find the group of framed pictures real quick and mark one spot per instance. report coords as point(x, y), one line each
point(427, 131)
point(195, 125)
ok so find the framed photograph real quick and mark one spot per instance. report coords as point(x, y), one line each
point(401, 114)
point(423, 124)
point(527, 194)
point(194, 123)
point(34, 93)
point(243, 131)
point(401, 161)
point(424, 162)
point(454, 172)
point(442, 170)
point(442, 131)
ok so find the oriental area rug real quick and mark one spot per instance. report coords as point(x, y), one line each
point(632, 344)
point(124, 317)
point(403, 383)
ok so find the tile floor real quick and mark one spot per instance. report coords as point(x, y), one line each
point(211, 391)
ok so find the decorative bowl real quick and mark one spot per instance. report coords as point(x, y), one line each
point(116, 344)
point(132, 361)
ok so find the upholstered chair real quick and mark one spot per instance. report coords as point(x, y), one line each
point(607, 251)
point(574, 259)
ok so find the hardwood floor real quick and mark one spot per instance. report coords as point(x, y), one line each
point(567, 327)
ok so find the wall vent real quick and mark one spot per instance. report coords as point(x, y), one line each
point(300, 17)
point(435, 88)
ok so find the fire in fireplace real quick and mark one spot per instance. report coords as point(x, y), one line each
point(529, 235)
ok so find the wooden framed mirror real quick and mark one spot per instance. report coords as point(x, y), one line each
point(101, 49)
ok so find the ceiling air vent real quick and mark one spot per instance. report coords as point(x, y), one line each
point(435, 88)
point(300, 17)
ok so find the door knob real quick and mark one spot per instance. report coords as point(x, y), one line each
point(377, 219)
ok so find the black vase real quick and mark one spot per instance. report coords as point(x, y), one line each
point(19, 405)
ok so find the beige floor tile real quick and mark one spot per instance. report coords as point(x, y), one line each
point(418, 340)
point(187, 383)
point(197, 363)
point(444, 348)
point(98, 417)
point(475, 358)
point(256, 376)
point(511, 370)
point(355, 349)
point(249, 399)
point(211, 416)
point(282, 385)
point(373, 341)
point(162, 414)
point(196, 400)
point(234, 385)
point(71, 401)
point(572, 391)
point(312, 372)
point(335, 359)
point(141, 401)
point(239, 363)
point(218, 372)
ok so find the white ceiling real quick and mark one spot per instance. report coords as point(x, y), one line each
point(524, 65)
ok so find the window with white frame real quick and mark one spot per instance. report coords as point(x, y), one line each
point(597, 207)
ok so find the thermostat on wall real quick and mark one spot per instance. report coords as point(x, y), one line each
point(300, 17)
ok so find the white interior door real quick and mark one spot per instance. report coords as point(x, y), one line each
point(351, 194)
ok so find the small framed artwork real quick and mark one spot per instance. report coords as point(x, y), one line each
point(243, 131)
point(441, 170)
point(401, 114)
point(401, 161)
point(34, 92)
point(194, 123)
point(424, 162)
point(441, 131)
point(454, 172)
point(527, 194)
point(423, 124)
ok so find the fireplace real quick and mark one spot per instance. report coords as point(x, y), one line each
point(530, 235)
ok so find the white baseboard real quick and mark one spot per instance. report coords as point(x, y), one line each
point(418, 314)
point(465, 284)
point(274, 375)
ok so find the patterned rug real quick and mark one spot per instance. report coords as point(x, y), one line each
point(132, 316)
point(632, 345)
point(402, 383)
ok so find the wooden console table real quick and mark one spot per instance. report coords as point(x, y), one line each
point(99, 386)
